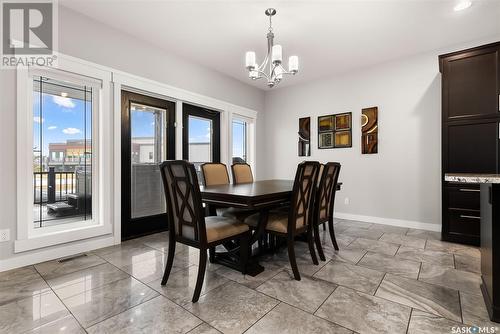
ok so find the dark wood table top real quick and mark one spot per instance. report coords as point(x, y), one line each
point(251, 195)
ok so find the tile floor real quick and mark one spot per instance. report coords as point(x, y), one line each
point(384, 279)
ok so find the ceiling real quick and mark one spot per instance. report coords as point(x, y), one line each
point(328, 36)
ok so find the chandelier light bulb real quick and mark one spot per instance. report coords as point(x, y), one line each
point(278, 72)
point(293, 64)
point(250, 60)
point(253, 74)
point(277, 54)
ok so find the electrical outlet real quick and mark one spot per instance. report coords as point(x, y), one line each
point(346, 201)
point(4, 235)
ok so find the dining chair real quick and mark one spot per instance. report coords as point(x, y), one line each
point(188, 224)
point(297, 220)
point(242, 173)
point(324, 202)
point(214, 174)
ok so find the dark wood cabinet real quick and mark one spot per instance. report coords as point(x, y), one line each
point(470, 83)
point(470, 134)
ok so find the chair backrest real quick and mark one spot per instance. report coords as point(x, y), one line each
point(214, 174)
point(184, 207)
point(242, 173)
point(325, 194)
point(302, 196)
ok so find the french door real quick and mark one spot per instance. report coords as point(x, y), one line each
point(148, 136)
point(200, 135)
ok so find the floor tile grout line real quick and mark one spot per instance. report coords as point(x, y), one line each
point(202, 323)
point(226, 283)
point(71, 272)
point(257, 286)
point(324, 301)
point(378, 287)
point(460, 306)
point(182, 305)
point(279, 302)
point(392, 301)
point(115, 315)
point(409, 320)
point(361, 258)
point(297, 307)
point(144, 301)
point(326, 319)
point(62, 302)
point(309, 313)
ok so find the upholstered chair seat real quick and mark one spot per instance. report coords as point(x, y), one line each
point(219, 228)
point(277, 221)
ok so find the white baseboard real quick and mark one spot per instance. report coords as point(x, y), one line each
point(54, 253)
point(390, 221)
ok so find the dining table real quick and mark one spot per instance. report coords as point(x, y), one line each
point(259, 196)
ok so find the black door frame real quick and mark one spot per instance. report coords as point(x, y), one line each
point(214, 116)
point(132, 228)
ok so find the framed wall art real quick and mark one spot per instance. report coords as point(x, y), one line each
point(369, 130)
point(305, 137)
point(335, 131)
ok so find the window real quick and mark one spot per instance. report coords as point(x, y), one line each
point(62, 121)
point(200, 139)
point(65, 154)
point(239, 130)
point(148, 127)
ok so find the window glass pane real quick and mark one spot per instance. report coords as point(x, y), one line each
point(62, 152)
point(239, 141)
point(148, 149)
point(200, 140)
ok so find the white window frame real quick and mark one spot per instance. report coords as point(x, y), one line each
point(250, 140)
point(28, 237)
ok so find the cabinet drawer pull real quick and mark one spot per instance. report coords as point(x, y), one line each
point(470, 190)
point(470, 217)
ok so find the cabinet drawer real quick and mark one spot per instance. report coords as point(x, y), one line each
point(464, 222)
point(465, 197)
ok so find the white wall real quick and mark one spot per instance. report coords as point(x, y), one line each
point(400, 184)
point(84, 38)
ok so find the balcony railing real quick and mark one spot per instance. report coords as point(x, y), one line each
point(52, 186)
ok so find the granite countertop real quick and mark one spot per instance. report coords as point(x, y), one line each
point(472, 178)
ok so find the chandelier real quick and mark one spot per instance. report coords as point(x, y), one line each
point(271, 68)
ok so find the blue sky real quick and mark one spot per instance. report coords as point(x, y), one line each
point(59, 119)
point(62, 118)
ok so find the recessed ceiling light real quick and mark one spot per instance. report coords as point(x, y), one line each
point(462, 5)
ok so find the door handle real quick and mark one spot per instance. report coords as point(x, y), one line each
point(469, 190)
point(470, 217)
